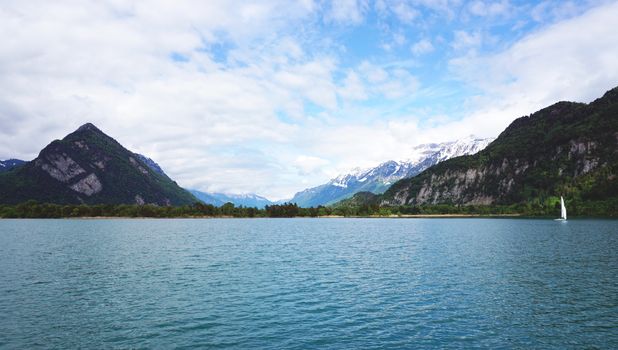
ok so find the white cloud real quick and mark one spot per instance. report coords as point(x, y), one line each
point(63, 65)
point(544, 67)
point(313, 80)
point(308, 165)
point(404, 12)
point(466, 40)
point(262, 95)
point(554, 10)
point(446, 8)
point(353, 88)
point(402, 83)
point(415, 12)
point(422, 47)
point(489, 8)
point(572, 60)
point(399, 39)
point(347, 11)
point(390, 83)
point(373, 73)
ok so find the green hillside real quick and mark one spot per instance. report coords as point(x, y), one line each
point(568, 149)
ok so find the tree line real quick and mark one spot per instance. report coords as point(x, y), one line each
point(33, 209)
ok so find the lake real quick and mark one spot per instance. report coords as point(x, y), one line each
point(309, 283)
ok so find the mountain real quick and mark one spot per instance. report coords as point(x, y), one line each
point(378, 179)
point(207, 198)
point(568, 149)
point(87, 166)
point(6, 165)
point(151, 164)
point(218, 199)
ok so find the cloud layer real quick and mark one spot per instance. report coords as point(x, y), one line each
point(273, 96)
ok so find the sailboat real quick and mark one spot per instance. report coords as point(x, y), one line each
point(563, 214)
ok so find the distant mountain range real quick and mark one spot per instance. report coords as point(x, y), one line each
point(87, 166)
point(218, 199)
point(214, 198)
point(567, 149)
point(90, 167)
point(6, 165)
point(378, 179)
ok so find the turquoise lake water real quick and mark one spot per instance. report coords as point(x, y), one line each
point(309, 283)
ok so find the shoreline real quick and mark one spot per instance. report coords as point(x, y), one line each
point(402, 216)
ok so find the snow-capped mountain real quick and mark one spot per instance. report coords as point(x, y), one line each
point(6, 165)
point(218, 199)
point(379, 178)
point(468, 145)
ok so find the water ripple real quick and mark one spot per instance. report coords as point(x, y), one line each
point(308, 284)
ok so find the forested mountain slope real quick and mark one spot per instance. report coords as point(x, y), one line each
point(568, 149)
point(87, 166)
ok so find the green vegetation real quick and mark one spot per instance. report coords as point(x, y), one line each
point(568, 149)
point(547, 208)
point(123, 177)
point(34, 209)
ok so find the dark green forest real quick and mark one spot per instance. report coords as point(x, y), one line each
point(568, 149)
point(548, 208)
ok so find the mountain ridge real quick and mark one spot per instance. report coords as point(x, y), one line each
point(377, 179)
point(245, 200)
point(567, 148)
point(6, 165)
point(215, 198)
point(87, 166)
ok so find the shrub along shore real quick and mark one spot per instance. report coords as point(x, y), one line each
point(33, 209)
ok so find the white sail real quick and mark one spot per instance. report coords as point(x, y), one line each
point(563, 214)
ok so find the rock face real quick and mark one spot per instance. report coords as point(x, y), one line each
point(88, 185)
point(59, 166)
point(568, 149)
point(87, 166)
point(378, 179)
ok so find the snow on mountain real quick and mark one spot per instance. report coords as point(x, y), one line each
point(469, 145)
point(376, 179)
point(6, 165)
point(218, 199)
point(379, 178)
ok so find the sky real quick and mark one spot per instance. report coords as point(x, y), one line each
point(274, 96)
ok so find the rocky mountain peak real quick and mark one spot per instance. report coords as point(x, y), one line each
point(567, 148)
point(88, 166)
point(88, 127)
point(380, 177)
